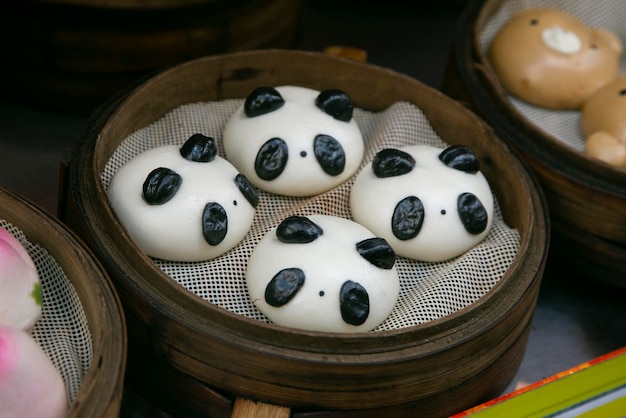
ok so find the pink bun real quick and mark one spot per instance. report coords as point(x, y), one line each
point(30, 385)
point(20, 289)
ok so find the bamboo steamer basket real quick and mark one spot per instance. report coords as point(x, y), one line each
point(587, 198)
point(71, 55)
point(195, 358)
point(82, 328)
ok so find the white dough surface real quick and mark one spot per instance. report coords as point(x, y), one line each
point(442, 236)
point(173, 230)
point(297, 122)
point(327, 262)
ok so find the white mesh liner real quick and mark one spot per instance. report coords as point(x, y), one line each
point(607, 14)
point(428, 290)
point(62, 331)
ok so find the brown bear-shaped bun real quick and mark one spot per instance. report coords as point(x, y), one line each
point(551, 59)
point(603, 123)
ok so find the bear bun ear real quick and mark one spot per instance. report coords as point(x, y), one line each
point(199, 148)
point(378, 252)
point(262, 100)
point(298, 230)
point(460, 157)
point(336, 103)
point(391, 162)
point(612, 41)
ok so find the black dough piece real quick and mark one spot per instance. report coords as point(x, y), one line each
point(391, 162)
point(271, 159)
point(160, 186)
point(246, 188)
point(298, 230)
point(472, 213)
point(336, 103)
point(460, 157)
point(262, 100)
point(284, 286)
point(214, 223)
point(354, 303)
point(378, 252)
point(408, 217)
point(199, 148)
point(329, 154)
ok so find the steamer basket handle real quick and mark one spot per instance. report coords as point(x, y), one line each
point(246, 408)
point(352, 53)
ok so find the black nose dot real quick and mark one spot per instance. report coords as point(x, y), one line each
point(534, 22)
point(622, 92)
point(302, 154)
point(594, 46)
point(443, 211)
point(322, 293)
point(235, 202)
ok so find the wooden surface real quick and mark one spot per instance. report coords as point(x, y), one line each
point(245, 408)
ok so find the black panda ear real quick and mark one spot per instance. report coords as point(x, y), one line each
point(336, 103)
point(247, 189)
point(378, 252)
point(354, 303)
point(472, 213)
point(160, 186)
point(460, 157)
point(298, 230)
point(391, 162)
point(262, 100)
point(214, 223)
point(199, 148)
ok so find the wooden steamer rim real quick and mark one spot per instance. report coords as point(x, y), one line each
point(291, 367)
point(100, 392)
point(587, 197)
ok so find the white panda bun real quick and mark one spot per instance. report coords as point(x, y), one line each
point(323, 273)
point(294, 141)
point(183, 203)
point(430, 204)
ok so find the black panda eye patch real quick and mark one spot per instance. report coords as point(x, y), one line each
point(284, 286)
point(271, 159)
point(408, 218)
point(472, 213)
point(161, 185)
point(354, 303)
point(262, 100)
point(329, 154)
point(246, 188)
point(214, 223)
